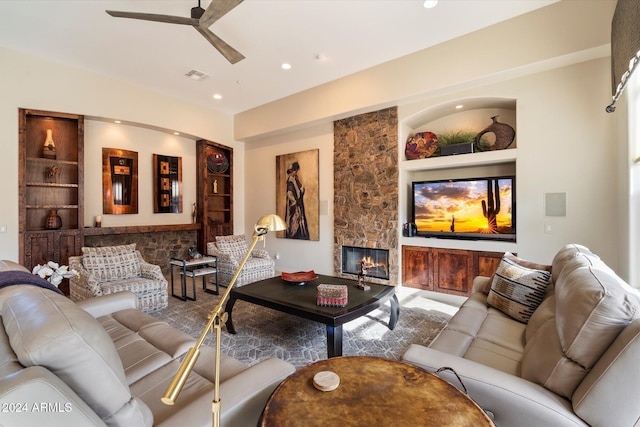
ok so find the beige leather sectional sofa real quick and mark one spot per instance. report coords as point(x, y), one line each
point(103, 362)
point(576, 362)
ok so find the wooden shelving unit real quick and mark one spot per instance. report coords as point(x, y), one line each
point(50, 184)
point(215, 191)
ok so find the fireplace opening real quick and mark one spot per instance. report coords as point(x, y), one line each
point(368, 261)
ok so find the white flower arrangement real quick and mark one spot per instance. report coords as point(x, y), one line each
point(54, 272)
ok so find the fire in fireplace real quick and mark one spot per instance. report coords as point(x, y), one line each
point(368, 261)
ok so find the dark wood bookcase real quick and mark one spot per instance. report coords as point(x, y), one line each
point(215, 191)
point(49, 186)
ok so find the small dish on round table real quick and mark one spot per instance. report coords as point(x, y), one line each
point(300, 277)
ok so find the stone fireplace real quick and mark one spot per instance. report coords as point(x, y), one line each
point(365, 162)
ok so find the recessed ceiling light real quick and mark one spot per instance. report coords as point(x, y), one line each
point(217, 96)
point(459, 106)
point(117, 121)
point(176, 133)
point(286, 66)
point(428, 4)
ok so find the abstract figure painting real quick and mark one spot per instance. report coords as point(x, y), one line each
point(297, 195)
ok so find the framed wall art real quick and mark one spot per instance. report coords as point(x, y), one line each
point(297, 194)
point(119, 181)
point(167, 184)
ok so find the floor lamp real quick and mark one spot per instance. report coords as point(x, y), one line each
point(216, 318)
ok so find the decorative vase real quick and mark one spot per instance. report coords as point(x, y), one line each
point(49, 149)
point(53, 220)
point(504, 134)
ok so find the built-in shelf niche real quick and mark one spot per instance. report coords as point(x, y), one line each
point(474, 116)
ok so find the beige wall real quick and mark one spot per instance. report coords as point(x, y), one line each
point(260, 161)
point(553, 62)
point(27, 82)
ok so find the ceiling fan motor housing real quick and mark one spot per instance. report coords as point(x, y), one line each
point(196, 12)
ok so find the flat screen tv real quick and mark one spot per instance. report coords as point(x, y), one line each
point(475, 208)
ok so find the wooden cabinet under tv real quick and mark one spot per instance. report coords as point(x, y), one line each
point(215, 191)
point(446, 270)
point(50, 186)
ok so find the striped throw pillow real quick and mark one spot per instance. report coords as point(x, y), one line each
point(517, 290)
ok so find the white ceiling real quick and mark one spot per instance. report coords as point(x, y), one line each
point(353, 34)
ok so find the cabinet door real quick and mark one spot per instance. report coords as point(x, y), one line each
point(417, 271)
point(452, 271)
point(67, 244)
point(486, 263)
point(58, 246)
point(38, 248)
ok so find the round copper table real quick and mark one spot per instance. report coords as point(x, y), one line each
point(372, 392)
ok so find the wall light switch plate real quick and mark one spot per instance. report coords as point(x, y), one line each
point(548, 229)
point(3, 228)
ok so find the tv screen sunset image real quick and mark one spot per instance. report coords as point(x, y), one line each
point(472, 206)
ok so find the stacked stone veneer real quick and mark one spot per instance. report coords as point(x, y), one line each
point(157, 247)
point(365, 163)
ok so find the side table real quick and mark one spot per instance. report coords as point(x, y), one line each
point(373, 391)
point(194, 268)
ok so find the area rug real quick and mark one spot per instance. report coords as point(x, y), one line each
point(263, 333)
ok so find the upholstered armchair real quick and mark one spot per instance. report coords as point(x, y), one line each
point(230, 250)
point(109, 269)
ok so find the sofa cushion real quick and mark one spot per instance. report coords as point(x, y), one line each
point(110, 263)
point(517, 290)
point(51, 331)
point(236, 245)
point(593, 306)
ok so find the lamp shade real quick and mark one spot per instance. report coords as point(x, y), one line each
point(271, 222)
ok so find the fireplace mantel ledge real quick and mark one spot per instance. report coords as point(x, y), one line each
point(98, 231)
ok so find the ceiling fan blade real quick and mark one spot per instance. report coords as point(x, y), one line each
point(216, 10)
point(227, 51)
point(154, 17)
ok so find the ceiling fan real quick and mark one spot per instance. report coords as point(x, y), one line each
point(201, 20)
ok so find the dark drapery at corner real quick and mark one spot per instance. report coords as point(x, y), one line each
point(625, 46)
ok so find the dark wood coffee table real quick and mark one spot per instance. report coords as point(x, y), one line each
point(300, 300)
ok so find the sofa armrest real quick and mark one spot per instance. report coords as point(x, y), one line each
point(481, 284)
point(245, 395)
point(107, 304)
point(513, 401)
point(34, 396)
point(222, 257)
point(260, 253)
point(8, 265)
point(84, 279)
point(148, 270)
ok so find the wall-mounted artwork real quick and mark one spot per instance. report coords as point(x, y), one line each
point(297, 194)
point(119, 181)
point(167, 184)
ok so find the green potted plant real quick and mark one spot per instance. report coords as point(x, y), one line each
point(457, 137)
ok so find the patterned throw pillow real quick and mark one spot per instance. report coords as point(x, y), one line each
point(519, 261)
point(517, 290)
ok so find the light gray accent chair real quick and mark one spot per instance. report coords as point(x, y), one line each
point(102, 362)
point(575, 363)
point(230, 250)
point(109, 269)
